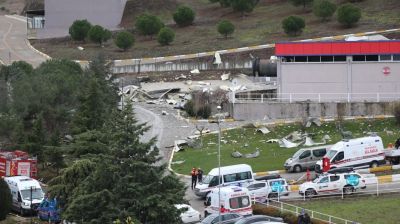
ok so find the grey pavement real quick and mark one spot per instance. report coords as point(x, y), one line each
point(14, 45)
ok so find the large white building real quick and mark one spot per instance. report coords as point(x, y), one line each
point(339, 71)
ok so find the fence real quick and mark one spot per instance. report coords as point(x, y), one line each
point(315, 97)
point(375, 186)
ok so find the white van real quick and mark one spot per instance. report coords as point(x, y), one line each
point(234, 199)
point(24, 191)
point(237, 175)
point(359, 152)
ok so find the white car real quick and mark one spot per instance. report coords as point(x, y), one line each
point(189, 215)
point(331, 183)
point(260, 191)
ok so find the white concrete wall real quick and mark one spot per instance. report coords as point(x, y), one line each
point(364, 80)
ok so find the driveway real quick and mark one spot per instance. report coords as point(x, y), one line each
point(14, 45)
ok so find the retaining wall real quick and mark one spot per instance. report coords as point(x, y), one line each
point(298, 110)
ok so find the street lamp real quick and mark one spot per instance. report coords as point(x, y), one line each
point(219, 162)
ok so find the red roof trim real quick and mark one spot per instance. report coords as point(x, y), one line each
point(337, 48)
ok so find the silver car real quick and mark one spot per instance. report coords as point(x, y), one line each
point(306, 158)
point(226, 218)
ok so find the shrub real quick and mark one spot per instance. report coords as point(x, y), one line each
point(124, 40)
point(79, 29)
point(165, 36)
point(184, 16)
point(148, 24)
point(243, 5)
point(396, 113)
point(225, 28)
point(189, 108)
point(225, 3)
point(348, 14)
point(324, 9)
point(6, 200)
point(98, 34)
point(204, 111)
point(293, 25)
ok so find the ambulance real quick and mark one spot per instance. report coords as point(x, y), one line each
point(236, 175)
point(234, 199)
point(27, 194)
point(358, 152)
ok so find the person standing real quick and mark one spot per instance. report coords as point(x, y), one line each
point(199, 175)
point(194, 177)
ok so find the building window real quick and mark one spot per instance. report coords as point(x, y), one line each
point(326, 58)
point(300, 59)
point(386, 57)
point(358, 57)
point(314, 59)
point(396, 57)
point(288, 59)
point(339, 58)
point(371, 58)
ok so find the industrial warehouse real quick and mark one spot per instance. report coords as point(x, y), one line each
point(341, 70)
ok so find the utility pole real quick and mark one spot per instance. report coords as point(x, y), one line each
point(219, 163)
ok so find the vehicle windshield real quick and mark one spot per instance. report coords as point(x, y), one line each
point(36, 194)
point(207, 179)
point(331, 153)
point(298, 153)
point(316, 180)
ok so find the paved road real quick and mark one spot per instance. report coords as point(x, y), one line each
point(14, 45)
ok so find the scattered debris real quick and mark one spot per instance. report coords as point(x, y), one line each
point(217, 59)
point(253, 155)
point(310, 142)
point(236, 154)
point(164, 112)
point(263, 130)
point(80, 48)
point(284, 143)
point(178, 162)
point(312, 120)
point(274, 140)
point(225, 76)
point(178, 143)
point(195, 71)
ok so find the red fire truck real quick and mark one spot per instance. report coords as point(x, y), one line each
point(17, 163)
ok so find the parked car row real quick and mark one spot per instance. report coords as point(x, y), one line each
point(234, 218)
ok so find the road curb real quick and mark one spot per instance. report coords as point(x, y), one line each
point(36, 50)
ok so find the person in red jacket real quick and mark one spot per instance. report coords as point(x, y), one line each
point(194, 177)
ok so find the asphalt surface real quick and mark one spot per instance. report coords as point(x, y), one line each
point(14, 45)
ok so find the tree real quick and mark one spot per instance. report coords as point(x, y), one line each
point(98, 34)
point(225, 3)
point(6, 199)
point(124, 40)
point(293, 25)
point(184, 16)
point(348, 14)
point(225, 28)
point(304, 3)
point(148, 24)
point(243, 6)
point(79, 29)
point(324, 9)
point(165, 36)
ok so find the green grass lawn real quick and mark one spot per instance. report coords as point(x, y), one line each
point(366, 210)
point(272, 156)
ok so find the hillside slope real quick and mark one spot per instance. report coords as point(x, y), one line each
point(261, 26)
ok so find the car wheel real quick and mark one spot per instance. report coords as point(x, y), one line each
point(374, 164)
point(297, 169)
point(310, 193)
point(348, 190)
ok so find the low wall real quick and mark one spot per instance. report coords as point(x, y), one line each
point(275, 110)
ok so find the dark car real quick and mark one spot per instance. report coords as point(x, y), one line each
point(226, 218)
point(259, 218)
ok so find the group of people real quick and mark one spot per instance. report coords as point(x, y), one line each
point(197, 176)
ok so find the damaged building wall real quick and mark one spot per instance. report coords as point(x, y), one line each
point(276, 110)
